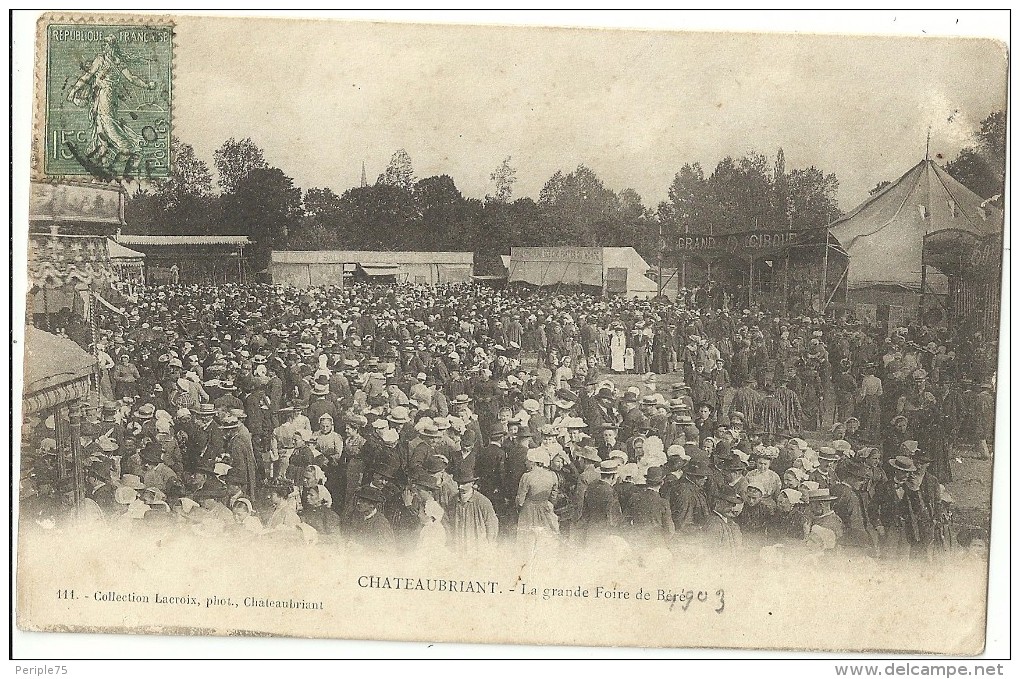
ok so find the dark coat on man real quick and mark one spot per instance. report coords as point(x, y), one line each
point(650, 516)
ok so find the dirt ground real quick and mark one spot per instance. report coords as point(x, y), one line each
point(971, 487)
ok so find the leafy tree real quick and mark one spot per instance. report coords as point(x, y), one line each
point(879, 186)
point(982, 168)
point(264, 205)
point(504, 177)
point(235, 160)
point(814, 198)
point(189, 178)
point(321, 203)
point(688, 201)
point(400, 171)
point(578, 208)
point(378, 217)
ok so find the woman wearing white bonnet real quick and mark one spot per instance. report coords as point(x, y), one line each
point(433, 533)
point(536, 496)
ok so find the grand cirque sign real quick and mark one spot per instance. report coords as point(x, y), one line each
point(749, 243)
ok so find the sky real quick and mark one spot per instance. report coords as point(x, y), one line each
point(321, 97)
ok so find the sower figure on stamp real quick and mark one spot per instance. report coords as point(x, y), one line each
point(100, 88)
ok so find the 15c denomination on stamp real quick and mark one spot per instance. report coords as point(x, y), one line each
point(108, 95)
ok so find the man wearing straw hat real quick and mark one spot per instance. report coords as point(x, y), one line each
point(242, 456)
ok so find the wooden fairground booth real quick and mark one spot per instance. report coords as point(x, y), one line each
point(71, 280)
point(972, 262)
point(797, 272)
point(59, 379)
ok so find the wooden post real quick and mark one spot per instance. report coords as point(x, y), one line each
point(74, 414)
point(786, 283)
point(683, 270)
point(920, 303)
point(825, 270)
point(750, 282)
point(658, 250)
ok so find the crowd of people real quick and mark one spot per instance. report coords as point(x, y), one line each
point(413, 417)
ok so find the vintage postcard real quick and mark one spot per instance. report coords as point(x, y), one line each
point(511, 335)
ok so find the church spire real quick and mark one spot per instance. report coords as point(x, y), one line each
point(364, 177)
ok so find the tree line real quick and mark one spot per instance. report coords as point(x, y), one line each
point(400, 211)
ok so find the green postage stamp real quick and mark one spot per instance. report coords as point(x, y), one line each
point(108, 96)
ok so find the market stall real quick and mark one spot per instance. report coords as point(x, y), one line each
point(59, 376)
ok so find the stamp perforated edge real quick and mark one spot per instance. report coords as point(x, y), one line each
point(39, 73)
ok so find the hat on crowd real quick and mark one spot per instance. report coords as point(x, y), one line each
point(539, 456)
point(356, 420)
point(609, 467)
point(206, 469)
point(794, 496)
point(588, 453)
point(230, 421)
point(843, 447)
point(399, 415)
point(654, 476)
point(464, 476)
point(424, 479)
point(204, 410)
point(390, 436)
point(820, 495)
point(855, 468)
point(574, 423)
point(146, 412)
point(903, 463)
point(729, 497)
point(132, 481)
point(152, 454)
point(370, 494)
point(734, 464)
point(697, 468)
point(677, 450)
point(797, 472)
point(828, 453)
point(320, 389)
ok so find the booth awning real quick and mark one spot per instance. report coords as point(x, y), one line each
point(56, 370)
point(379, 269)
point(121, 252)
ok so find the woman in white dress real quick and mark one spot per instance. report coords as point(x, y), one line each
point(617, 348)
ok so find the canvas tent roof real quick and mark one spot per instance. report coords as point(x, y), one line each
point(884, 234)
point(579, 266)
point(637, 268)
point(52, 361)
